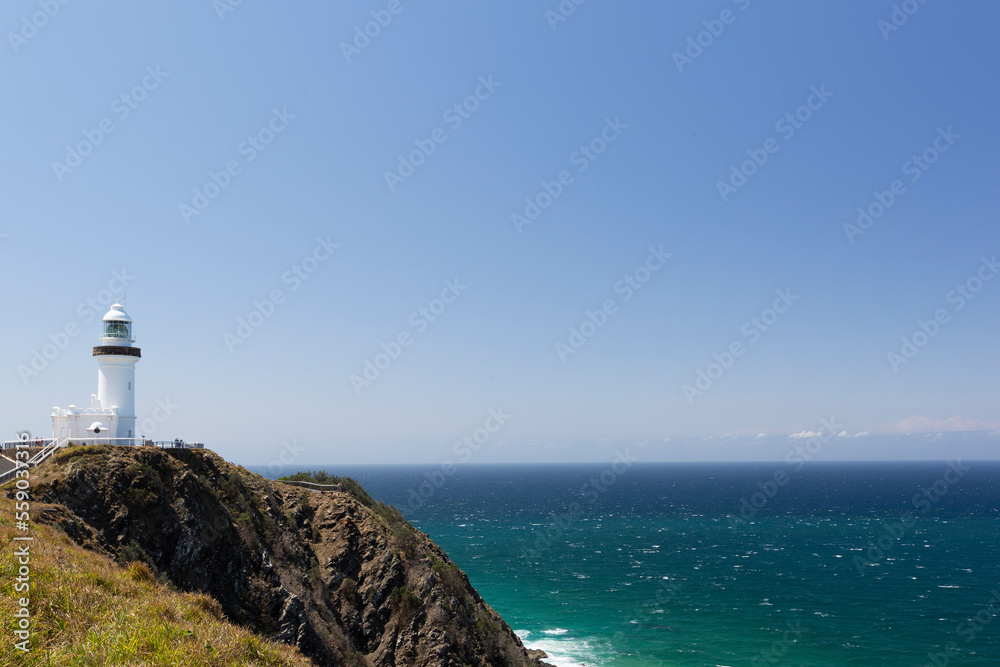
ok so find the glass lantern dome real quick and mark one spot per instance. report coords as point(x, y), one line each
point(117, 324)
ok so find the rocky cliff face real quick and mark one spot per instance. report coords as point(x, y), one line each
point(342, 577)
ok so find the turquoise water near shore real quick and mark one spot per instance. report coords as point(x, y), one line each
point(846, 564)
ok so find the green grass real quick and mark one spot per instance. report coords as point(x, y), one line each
point(88, 611)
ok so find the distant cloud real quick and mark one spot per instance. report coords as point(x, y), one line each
point(863, 433)
point(812, 434)
point(915, 424)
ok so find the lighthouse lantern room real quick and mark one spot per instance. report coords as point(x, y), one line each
point(111, 415)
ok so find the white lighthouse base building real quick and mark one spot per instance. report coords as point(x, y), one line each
point(95, 423)
point(110, 419)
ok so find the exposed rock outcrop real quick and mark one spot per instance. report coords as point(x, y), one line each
point(345, 579)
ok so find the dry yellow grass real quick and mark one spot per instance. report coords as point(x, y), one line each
point(89, 611)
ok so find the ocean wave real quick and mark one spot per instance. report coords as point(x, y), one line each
point(563, 652)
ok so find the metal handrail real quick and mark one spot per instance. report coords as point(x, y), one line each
point(313, 485)
point(175, 444)
point(35, 460)
point(50, 446)
point(45, 453)
point(21, 444)
point(35, 443)
point(9, 475)
point(121, 442)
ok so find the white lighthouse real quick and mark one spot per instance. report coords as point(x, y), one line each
point(116, 359)
point(111, 414)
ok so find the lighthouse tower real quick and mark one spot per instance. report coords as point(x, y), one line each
point(116, 359)
point(111, 414)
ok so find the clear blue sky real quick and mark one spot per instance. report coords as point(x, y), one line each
point(674, 130)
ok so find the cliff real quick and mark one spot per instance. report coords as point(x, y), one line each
point(84, 609)
point(341, 577)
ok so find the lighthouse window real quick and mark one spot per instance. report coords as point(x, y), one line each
point(116, 329)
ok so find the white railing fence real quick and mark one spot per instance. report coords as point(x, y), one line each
point(126, 442)
point(39, 456)
point(46, 447)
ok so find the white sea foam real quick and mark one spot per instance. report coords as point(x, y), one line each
point(562, 651)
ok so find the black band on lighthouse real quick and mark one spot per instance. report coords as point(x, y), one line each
point(117, 350)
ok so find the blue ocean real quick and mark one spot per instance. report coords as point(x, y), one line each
point(630, 565)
